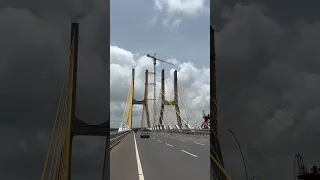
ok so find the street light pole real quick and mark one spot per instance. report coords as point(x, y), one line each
point(244, 162)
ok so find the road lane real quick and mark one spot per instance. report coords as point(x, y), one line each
point(123, 163)
point(163, 159)
point(201, 150)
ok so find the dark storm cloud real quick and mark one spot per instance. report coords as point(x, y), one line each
point(34, 57)
point(260, 55)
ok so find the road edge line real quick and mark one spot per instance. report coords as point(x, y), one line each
point(140, 172)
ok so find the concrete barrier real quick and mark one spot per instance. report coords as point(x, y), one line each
point(115, 138)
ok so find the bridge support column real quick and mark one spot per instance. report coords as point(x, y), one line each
point(78, 127)
point(143, 102)
point(215, 150)
point(174, 103)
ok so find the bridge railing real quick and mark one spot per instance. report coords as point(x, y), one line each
point(115, 138)
point(201, 132)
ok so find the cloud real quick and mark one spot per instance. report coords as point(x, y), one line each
point(177, 10)
point(193, 87)
point(259, 57)
point(185, 7)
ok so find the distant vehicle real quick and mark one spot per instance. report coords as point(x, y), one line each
point(145, 133)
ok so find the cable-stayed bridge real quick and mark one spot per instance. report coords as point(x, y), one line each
point(175, 149)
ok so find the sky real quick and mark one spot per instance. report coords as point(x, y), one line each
point(267, 84)
point(178, 32)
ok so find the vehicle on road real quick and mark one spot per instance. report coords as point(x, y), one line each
point(145, 133)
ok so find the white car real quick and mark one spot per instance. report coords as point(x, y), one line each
point(145, 133)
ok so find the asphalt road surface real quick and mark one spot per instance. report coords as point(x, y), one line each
point(162, 156)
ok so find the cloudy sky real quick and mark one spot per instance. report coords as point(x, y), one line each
point(34, 57)
point(267, 73)
point(177, 31)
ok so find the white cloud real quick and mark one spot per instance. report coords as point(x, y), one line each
point(177, 9)
point(185, 7)
point(193, 87)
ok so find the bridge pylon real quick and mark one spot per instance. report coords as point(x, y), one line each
point(165, 102)
point(215, 150)
point(143, 102)
point(77, 126)
point(67, 125)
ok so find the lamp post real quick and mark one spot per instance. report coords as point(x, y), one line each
point(244, 162)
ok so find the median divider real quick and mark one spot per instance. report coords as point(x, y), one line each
point(115, 138)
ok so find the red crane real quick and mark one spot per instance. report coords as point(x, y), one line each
point(206, 121)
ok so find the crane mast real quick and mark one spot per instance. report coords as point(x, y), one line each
point(155, 84)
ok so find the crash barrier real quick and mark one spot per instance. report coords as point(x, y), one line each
point(201, 132)
point(115, 138)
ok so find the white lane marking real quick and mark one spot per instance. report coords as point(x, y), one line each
point(199, 143)
point(204, 138)
point(159, 140)
point(172, 137)
point(169, 144)
point(189, 153)
point(182, 140)
point(141, 177)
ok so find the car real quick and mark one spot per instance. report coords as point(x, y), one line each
point(145, 133)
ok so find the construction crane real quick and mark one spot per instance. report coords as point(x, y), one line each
point(154, 83)
point(206, 119)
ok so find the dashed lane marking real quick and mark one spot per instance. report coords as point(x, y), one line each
point(159, 140)
point(199, 143)
point(188, 153)
point(169, 144)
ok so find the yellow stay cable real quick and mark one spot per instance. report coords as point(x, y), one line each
point(126, 106)
point(68, 129)
point(58, 134)
point(58, 153)
point(129, 105)
point(52, 134)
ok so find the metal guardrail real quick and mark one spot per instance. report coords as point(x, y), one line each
point(115, 138)
point(201, 132)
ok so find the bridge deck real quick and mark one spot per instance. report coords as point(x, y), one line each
point(162, 156)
